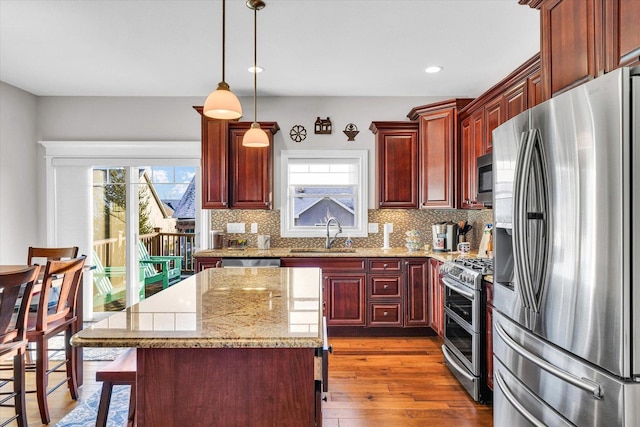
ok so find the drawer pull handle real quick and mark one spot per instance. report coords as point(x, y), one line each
point(385, 266)
point(385, 314)
point(386, 286)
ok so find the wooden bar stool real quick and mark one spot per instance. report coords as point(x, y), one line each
point(121, 371)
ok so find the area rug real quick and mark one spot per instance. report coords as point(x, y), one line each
point(85, 414)
point(88, 353)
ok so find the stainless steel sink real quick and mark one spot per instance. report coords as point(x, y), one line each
point(323, 250)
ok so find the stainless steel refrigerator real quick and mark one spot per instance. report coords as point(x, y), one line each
point(566, 291)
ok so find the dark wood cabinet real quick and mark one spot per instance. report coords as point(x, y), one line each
point(234, 176)
point(251, 169)
point(417, 292)
point(489, 332)
point(436, 298)
point(202, 263)
point(384, 292)
point(438, 134)
point(346, 298)
point(568, 44)
point(622, 33)
point(518, 91)
point(397, 164)
point(581, 40)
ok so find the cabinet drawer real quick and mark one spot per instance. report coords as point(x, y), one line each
point(379, 265)
point(388, 314)
point(385, 286)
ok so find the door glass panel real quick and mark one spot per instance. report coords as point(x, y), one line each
point(109, 239)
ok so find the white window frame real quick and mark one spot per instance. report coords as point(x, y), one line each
point(360, 158)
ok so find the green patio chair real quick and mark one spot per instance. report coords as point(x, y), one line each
point(167, 274)
point(102, 280)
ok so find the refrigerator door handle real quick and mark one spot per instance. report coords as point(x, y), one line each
point(449, 358)
point(519, 197)
point(502, 385)
point(582, 383)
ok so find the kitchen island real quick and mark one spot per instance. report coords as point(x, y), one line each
point(227, 347)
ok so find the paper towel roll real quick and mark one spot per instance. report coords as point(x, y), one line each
point(387, 230)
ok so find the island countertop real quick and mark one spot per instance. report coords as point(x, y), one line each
point(221, 308)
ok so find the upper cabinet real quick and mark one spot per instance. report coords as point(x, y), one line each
point(397, 164)
point(438, 148)
point(517, 92)
point(234, 176)
point(581, 40)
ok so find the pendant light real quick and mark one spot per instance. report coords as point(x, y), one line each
point(255, 136)
point(222, 103)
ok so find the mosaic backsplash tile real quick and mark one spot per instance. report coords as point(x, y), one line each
point(403, 220)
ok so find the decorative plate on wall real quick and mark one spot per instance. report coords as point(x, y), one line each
point(298, 133)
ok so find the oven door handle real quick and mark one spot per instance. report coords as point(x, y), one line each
point(583, 383)
point(449, 358)
point(459, 289)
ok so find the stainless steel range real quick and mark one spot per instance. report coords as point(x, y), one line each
point(464, 338)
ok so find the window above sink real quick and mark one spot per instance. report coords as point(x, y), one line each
point(320, 184)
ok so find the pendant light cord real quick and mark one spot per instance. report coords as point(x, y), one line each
point(255, 65)
point(223, 38)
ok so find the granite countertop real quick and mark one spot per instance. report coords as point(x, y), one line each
point(221, 308)
point(335, 252)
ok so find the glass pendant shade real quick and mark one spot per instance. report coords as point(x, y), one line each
point(255, 137)
point(222, 104)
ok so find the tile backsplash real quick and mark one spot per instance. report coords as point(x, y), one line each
point(402, 219)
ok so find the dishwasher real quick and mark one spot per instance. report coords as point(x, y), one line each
point(250, 262)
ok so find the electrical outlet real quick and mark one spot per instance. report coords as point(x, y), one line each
point(373, 227)
point(254, 227)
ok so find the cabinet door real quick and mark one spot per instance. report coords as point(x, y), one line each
point(397, 171)
point(251, 178)
point(489, 333)
point(494, 116)
point(622, 36)
point(534, 89)
point(214, 164)
point(437, 151)
point(436, 304)
point(346, 299)
point(568, 46)
point(417, 280)
point(515, 100)
point(472, 138)
point(202, 263)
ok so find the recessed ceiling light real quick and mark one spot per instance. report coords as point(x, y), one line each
point(259, 69)
point(433, 69)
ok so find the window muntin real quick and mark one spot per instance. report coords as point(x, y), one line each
point(320, 185)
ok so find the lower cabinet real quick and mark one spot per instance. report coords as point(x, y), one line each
point(417, 292)
point(202, 263)
point(436, 298)
point(489, 332)
point(345, 294)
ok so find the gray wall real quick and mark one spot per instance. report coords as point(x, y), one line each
point(26, 119)
point(19, 207)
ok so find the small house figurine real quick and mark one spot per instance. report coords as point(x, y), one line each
point(323, 126)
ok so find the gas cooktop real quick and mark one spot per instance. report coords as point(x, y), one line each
point(482, 265)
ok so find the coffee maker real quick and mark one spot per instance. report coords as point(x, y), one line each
point(445, 236)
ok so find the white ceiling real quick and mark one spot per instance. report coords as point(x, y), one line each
point(308, 47)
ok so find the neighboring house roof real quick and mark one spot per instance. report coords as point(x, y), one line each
point(303, 204)
point(186, 207)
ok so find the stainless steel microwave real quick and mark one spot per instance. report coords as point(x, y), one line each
point(485, 179)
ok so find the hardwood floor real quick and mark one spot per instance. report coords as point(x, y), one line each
point(373, 382)
point(396, 382)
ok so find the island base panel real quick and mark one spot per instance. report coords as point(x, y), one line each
point(226, 387)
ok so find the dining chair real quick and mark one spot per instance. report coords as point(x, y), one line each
point(41, 256)
point(13, 341)
point(50, 321)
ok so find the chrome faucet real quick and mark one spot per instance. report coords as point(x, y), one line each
point(330, 241)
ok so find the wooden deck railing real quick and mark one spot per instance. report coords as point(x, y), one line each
point(111, 251)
